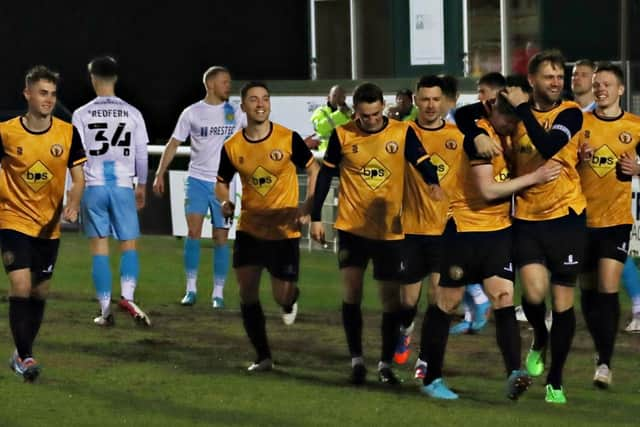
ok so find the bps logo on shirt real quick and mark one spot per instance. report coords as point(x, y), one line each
point(603, 161)
point(441, 166)
point(374, 173)
point(37, 176)
point(262, 180)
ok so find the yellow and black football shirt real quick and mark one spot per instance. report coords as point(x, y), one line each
point(372, 171)
point(556, 130)
point(267, 169)
point(33, 175)
point(608, 193)
point(471, 211)
point(421, 214)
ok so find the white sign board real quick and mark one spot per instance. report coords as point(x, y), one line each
point(426, 23)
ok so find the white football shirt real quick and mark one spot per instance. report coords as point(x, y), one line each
point(115, 138)
point(208, 126)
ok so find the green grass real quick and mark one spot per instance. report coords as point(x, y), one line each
point(189, 368)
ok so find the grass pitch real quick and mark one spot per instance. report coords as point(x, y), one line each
point(189, 368)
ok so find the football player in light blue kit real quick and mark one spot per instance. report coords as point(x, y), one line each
point(207, 123)
point(115, 139)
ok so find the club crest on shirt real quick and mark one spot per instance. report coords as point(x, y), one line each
point(276, 155)
point(451, 144)
point(625, 137)
point(391, 147)
point(56, 150)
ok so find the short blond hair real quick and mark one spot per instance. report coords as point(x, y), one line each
point(212, 72)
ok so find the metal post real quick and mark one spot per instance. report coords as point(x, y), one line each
point(312, 38)
point(505, 39)
point(353, 29)
point(624, 51)
point(465, 37)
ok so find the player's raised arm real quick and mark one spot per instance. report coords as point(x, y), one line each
point(563, 128)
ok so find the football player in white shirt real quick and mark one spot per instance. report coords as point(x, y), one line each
point(208, 123)
point(115, 138)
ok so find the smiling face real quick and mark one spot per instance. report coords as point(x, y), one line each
point(41, 97)
point(257, 105)
point(547, 83)
point(607, 89)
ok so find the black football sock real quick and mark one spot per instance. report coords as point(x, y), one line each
point(20, 324)
point(508, 337)
point(390, 333)
point(562, 332)
point(255, 326)
point(535, 315)
point(352, 323)
point(435, 335)
point(610, 318)
point(36, 306)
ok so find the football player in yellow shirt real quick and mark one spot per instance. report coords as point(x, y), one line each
point(36, 150)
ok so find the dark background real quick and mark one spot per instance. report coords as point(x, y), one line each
point(163, 48)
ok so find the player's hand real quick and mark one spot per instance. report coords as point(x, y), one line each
point(436, 193)
point(486, 146)
point(158, 185)
point(548, 172)
point(628, 164)
point(141, 196)
point(317, 232)
point(312, 142)
point(303, 216)
point(70, 213)
point(515, 95)
point(585, 153)
point(228, 209)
